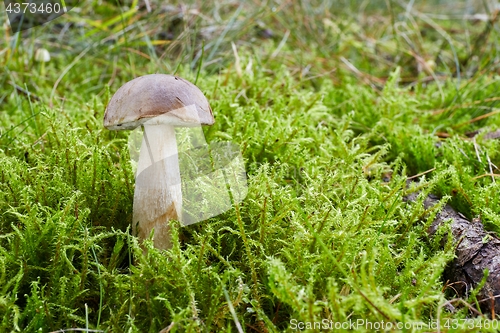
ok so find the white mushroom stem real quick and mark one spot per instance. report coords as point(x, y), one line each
point(157, 196)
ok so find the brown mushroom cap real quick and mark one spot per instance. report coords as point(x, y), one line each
point(157, 98)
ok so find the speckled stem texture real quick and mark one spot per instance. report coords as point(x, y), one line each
point(157, 196)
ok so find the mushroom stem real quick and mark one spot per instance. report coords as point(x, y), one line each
point(157, 196)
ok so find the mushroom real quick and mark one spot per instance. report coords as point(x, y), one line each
point(158, 103)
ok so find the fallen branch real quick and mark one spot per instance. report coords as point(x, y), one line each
point(476, 250)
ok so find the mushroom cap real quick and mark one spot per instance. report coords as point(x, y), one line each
point(157, 99)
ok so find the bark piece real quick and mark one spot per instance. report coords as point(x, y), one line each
point(476, 250)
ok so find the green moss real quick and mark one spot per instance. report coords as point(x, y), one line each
point(324, 233)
